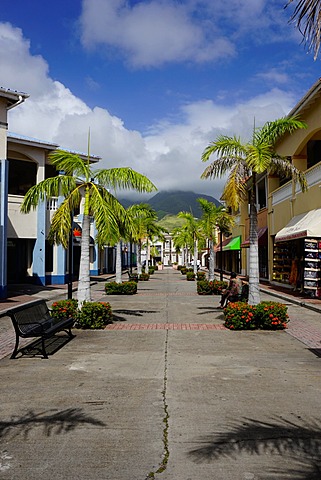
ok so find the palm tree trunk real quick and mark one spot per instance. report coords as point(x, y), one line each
point(118, 262)
point(195, 256)
point(211, 261)
point(83, 293)
point(139, 258)
point(254, 285)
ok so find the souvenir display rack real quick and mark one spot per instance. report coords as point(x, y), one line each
point(281, 262)
point(312, 274)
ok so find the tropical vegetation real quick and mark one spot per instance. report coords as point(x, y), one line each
point(307, 15)
point(264, 316)
point(242, 162)
point(81, 184)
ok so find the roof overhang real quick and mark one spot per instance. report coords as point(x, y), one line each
point(12, 97)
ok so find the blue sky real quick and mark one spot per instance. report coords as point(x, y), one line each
point(155, 81)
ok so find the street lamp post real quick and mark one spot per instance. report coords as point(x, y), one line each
point(221, 257)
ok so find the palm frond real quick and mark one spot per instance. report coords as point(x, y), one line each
point(50, 187)
point(225, 146)
point(281, 165)
point(70, 163)
point(61, 225)
point(307, 16)
point(271, 132)
point(235, 188)
point(124, 178)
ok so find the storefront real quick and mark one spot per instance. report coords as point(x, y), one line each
point(230, 255)
point(297, 253)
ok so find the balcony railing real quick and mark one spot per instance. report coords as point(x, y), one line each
point(313, 177)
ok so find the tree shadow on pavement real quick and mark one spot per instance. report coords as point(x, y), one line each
point(134, 313)
point(52, 422)
point(300, 443)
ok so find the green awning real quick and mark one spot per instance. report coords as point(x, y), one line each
point(234, 244)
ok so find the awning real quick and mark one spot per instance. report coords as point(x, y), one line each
point(301, 226)
point(262, 238)
point(234, 244)
point(217, 247)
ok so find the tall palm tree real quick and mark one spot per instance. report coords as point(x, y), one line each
point(80, 183)
point(307, 15)
point(192, 226)
point(242, 162)
point(213, 218)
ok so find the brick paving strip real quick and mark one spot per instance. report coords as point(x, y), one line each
point(305, 333)
point(165, 326)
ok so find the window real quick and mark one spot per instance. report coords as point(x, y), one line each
point(22, 176)
point(314, 152)
point(261, 193)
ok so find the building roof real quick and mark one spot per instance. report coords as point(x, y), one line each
point(13, 97)
point(35, 142)
point(309, 98)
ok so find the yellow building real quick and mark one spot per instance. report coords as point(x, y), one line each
point(289, 223)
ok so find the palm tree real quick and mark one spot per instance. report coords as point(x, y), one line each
point(307, 15)
point(213, 218)
point(192, 226)
point(143, 218)
point(81, 183)
point(242, 162)
point(182, 242)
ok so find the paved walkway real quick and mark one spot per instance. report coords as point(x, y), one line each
point(306, 332)
point(165, 393)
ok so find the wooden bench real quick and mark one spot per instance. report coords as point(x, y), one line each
point(33, 320)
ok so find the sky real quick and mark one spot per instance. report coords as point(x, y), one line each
point(154, 81)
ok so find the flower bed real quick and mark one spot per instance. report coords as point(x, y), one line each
point(144, 277)
point(204, 287)
point(94, 315)
point(264, 316)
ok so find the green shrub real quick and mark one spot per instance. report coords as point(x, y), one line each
point(151, 270)
point(271, 316)
point(183, 270)
point(204, 287)
point(190, 269)
point(264, 316)
point(240, 316)
point(217, 286)
point(125, 288)
point(64, 309)
point(179, 267)
point(190, 276)
point(94, 315)
point(201, 276)
point(144, 277)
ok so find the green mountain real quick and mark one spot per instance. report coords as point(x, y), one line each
point(177, 201)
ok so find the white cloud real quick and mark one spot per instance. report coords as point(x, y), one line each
point(154, 32)
point(150, 33)
point(169, 153)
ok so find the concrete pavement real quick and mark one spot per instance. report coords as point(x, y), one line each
point(166, 392)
